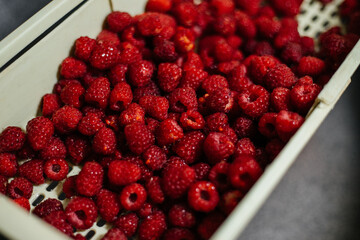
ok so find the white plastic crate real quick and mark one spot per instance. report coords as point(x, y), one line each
point(30, 76)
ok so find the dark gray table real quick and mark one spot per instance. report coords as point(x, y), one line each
point(319, 198)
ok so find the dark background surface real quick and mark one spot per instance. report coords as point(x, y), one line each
point(319, 198)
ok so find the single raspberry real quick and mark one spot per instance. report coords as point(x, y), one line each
point(90, 124)
point(39, 131)
point(145, 173)
point(311, 66)
point(155, 106)
point(169, 75)
point(107, 205)
point(259, 67)
point(62, 83)
point(184, 40)
point(104, 56)
point(285, 36)
point(81, 212)
point(220, 100)
point(152, 124)
point(129, 53)
point(154, 157)
point(267, 27)
point(123, 172)
point(150, 90)
point(66, 119)
point(56, 169)
point(23, 202)
point(114, 234)
point(140, 73)
point(292, 52)
point(216, 122)
point(118, 21)
point(90, 179)
point(245, 26)
point(280, 99)
point(55, 148)
point(178, 234)
point(225, 25)
point(158, 5)
point(138, 137)
point(132, 35)
point(287, 123)
point(117, 74)
point(104, 141)
point(69, 186)
point(229, 200)
point(267, 125)
point(48, 206)
point(146, 210)
point(133, 196)
point(183, 99)
point(263, 48)
point(164, 50)
point(280, 76)
point(255, 101)
point(214, 82)
point(50, 103)
point(128, 223)
point(134, 113)
point(193, 78)
point(32, 170)
point(78, 148)
point(244, 147)
point(84, 47)
point(154, 190)
point(192, 120)
point(274, 147)
point(185, 13)
point(190, 146)
point(209, 224)
point(152, 227)
point(58, 220)
point(3, 184)
point(120, 97)
point(181, 216)
point(98, 93)
point(19, 187)
point(218, 175)
point(203, 196)
point(8, 164)
point(72, 95)
point(90, 109)
point(106, 36)
point(26, 152)
point(223, 52)
point(307, 45)
point(149, 24)
point(218, 147)
point(289, 8)
point(72, 68)
point(168, 132)
point(237, 79)
point(244, 127)
point(192, 60)
point(90, 76)
point(12, 139)
point(230, 133)
point(303, 96)
point(201, 171)
point(221, 7)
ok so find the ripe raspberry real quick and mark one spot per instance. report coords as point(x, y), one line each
point(146, 210)
point(177, 179)
point(26, 152)
point(267, 125)
point(217, 147)
point(90, 76)
point(244, 127)
point(134, 113)
point(48, 206)
point(255, 101)
point(123, 172)
point(98, 93)
point(90, 179)
point(72, 68)
point(221, 7)
point(69, 186)
point(168, 132)
point(150, 90)
point(263, 48)
point(307, 45)
point(245, 26)
point(218, 175)
point(154, 158)
point(152, 227)
point(267, 27)
point(138, 137)
point(55, 148)
point(184, 40)
point(190, 146)
point(8, 165)
point(192, 120)
point(192, 60)
point(289, 8)
point(225, 25)
point(181, 216)
point(118, 21)
point(104, 56)
point(72, 95)
point(56, 169)
point(145, 172)
point(260, 66)
point(220, 100)
point(90, 109)
point(243, 174)
point(128, 223)
point(292, 52)
point(149, 24)
point(155, 106)
point(216, 122)
point(32, 170)
point(19, 187)
point(230, 133)
point(129, 53)
point(193, 78)
point(12, 139)
point(303, 96)
point(285, 36)
point(133, 196)
point(78, 148)
point(287, 123)
point(280, 99)
point(120, 97)
point(214, 82)
point(117, 74)
point(154, 190)
point(158, 5)
point(244, 147)
point(112, 123)
point(209, 224)
point(201, 171)
point(39, 131)
point(274, 147)
point(81, 212)
point(50, 103)
point(107, 205)
point(84, 47)
point(23, 202)
point(183, 99)
point(104, 141)
point(280, 76)
point(178, 234)
point(114, 234)
point(229, 200)
point(203, 196)
point(66, 119)
point(58, 220)
point(237, 79)
point(106, 36)
point(3, 184)
point(164, 50)
point(90, 124)
point(185, 13)
point(62, 83)
point(311, 66)
point(140, 73)
point(169, 75)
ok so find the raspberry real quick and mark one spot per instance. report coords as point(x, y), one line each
point(244, 147)
point(260, 66)
point(154, 158)
point(78, 148)
point(90, 109)
point(114, 234)
point(214, 82)
point(255, 101)
point(146, 210)
point(178, 234)
point(287, 123)
point(303, 96)
point(229, 201)
point(138, 137)
point(81, 212)
point(190, 146)
point(69, 186)
point(150, 90)
point(185, 13)
point(117, 74)
point(133, 196)
point(184, 40)
point(169, 75)
point(176, 180)
point(55, 148)
point(3, 184)
point(58, 220)
point(140, 73)
point(244, 127)
point(104, 141)
point(267, 27)
point(12, 139)
point(193, 78)
point(218, 175)
point(286, 35)
point(267, 125)
point(120, 97)
point(123, 172)
point(164, 50)
point(56, 169)
point(32, 170)
point(153, 187)
point(26, 152)
point(280, 76)
point(209, 224)
point(263, 48)
point(19, 187)
point(90, 76)
point(128, 223)
point(8, 164)
point(223, 52)
point(155, 106)
point(280, 99)
point(201, 171)
point(50, 103)
point(168, 132)
point(149, 24)
point(48, 206)
point(251, 7)
point(145, 173)
point(104, 56)
point(203, 196)
point(225, 25)
point(192, 120)
point(106, 36)
point(90, 179)
point(217, 147)
point(244, 173)
point(107, 205)
point(216, 122)
point(220, 100)
point(72, 68)
point(90, 124)
point(62, 83)
point(290, 8)
point(39, 131)
point(152, 227)
point(307, 45)
point(181, 216)
point(311, 66)
point(66, 119)
point(158, 5)
point(134, 113)
point(192, 60)
point(183, 99)
point(292, 52)
point(152, 124)
point(23, 202)
point(245, 26)
point(84, 47)
point(98, 93)
point(72, 95)
point(274, 147)
point(129, 53)
point(118, 21)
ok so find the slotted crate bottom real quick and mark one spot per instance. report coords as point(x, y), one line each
point(313, 19)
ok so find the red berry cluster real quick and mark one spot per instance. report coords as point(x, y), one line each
point(166, 131)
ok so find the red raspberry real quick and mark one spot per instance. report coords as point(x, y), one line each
point(90, 124)
point(152, 227)
point(117, 74)
point(89, 109)
point(150, 90)
point(106, 36)
point(244, 172)
point(149, 24)
point(72, 95)
point(201, 171)
point(145, 172)
point(164, 50)
point(90, 179)
point(107, 205)
point(244, 127)
point(280, 76)
point(183, 99)
point(169, 75)
point(292, 52)
point(8, 165)
point(154, 158)
point(33, 171)
point(229, 201)
point(23, 202)
point(132, 35)
point(251, 7)
point(56, 169)
point(287, 123)
point(216, 122)
point(26, 152)
point(184, 40)
point(267, 125)
point(267, 27)
point(55, 148)
point(72, 68)
point(104, 56)
point(333, 46)
point(123, 172)
point(220, 100)
point(255, 101)
point(190, 146)
point(133, 196)
point(192, 60)
point(244, 147)
point(303, 96)
point(192, 120)
point(98, 93)
point(39, 131)
point(152, 124)
point(69, 186)
point(84, 47)
point(129, 53)
point(146, 210)
point(66, 119)
point(274, 147)
point(311, 66)
point(245, 26)
point(12, 139)
point(218, 147)
point(230, 133)
point(203, 196)
point(223, 52)
point(104, 141)
point(209, 224)
point(307, 45)
point(138, 137)
point(259, 67)
point(280, 99)
point(48, 206)
point(307, 80)
point(3, 183)
point(158, 5)
point(290, 9)
point(285, 36)
point(263, 48)
point(193, 78)
point(178, 234)
point(114, 234)
point(177, 179)
point(155, 106)
point(181, 216)
point(19, 187)
point(214, 82)
point(153, 187)
point(120, 97)
point(168, 132)
point(218, 175)
point(118, 21)
point(134, 113)
point(140, 73)
point(62, 83)
point(50, 103)
point(225, 25)
point(81, 212)
point(128, 223)
point(186, 13)
point(78, 148)
point(58, 220)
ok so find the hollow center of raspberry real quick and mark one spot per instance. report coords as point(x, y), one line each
point(180, 106)
point(56, 168)
point(18, 191)
point(253, 97)
point(133, 197)
point(205, 195)
point(81, 215)
point(270, 127)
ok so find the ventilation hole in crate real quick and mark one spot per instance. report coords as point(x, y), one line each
point(70, 168)
point(38, 200)
point(317, 34)
point(322, 8)
point(306, 28)
point(326, 23)
point(314, 18)
point(62, 196)
point(101, 223)
point(52, 186)
point(333, 14)
point(312, 2)
point(302, 11)
point(90, 234)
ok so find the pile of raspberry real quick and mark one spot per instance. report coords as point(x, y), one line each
point(172, 115)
